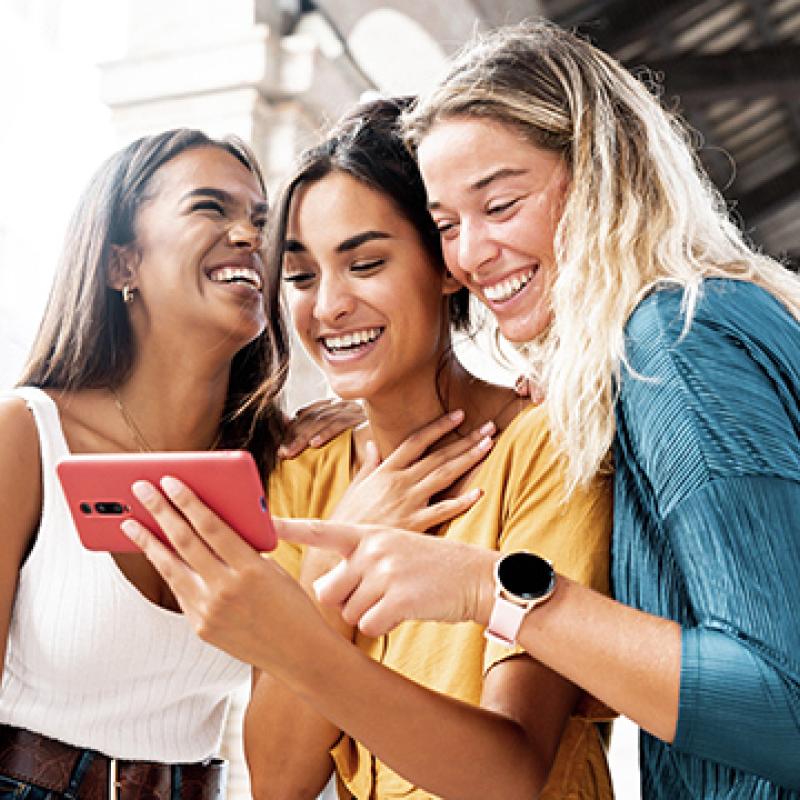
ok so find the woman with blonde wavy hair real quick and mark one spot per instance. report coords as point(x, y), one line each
point(571, 204)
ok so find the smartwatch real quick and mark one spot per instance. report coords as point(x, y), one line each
point(522, 581)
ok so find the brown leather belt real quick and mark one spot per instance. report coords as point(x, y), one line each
point(89, 775)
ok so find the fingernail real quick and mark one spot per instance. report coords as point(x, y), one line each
point(171, 486)
point(457, 415)
point(131, 530)
point(485, 443)
point(143, 490)
point(315, 441)
point(474, 494)
point(283, 450)
point(487, 429)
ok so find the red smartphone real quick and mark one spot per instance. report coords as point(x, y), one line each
point(97, 487)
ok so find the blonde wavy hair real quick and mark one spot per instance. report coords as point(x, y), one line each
point(640, 211)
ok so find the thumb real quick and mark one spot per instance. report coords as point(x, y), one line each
point(336, 536)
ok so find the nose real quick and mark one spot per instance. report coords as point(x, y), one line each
point(244, 233)
point(475, 246)
point(333, 301)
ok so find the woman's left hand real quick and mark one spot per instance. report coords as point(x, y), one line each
point(317, 423)
point(226, 589)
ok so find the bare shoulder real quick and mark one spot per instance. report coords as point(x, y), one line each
point(18, 434)
point(20, 475)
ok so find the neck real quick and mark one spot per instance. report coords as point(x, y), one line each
point(396, 415)
point(175, 408)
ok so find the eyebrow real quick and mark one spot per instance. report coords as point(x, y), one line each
point(482, 183)
point(296, 246)
point(224, 197)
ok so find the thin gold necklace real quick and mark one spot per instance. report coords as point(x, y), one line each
point(144, 445)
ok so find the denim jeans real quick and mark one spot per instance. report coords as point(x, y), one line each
point(13, 789)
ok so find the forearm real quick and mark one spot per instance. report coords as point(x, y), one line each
point(447, 747)
point(286, 743)
point(627, 659)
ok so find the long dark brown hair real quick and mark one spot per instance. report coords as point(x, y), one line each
point(85, 339)
point(367, 145)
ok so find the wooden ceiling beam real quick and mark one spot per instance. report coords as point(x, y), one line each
point(621, 22)
point(743, 74)
point(773, 195)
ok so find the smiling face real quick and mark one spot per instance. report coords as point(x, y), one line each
point(496, 200)
point(363, 294)
point(196, 262)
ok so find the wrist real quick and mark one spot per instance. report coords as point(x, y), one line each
point(522, 581)
point(484, 587)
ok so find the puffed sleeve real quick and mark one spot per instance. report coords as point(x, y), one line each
point(573, 532)
point(711, 424)
point(288, 490)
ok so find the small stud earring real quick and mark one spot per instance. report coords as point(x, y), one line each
point(128, 293)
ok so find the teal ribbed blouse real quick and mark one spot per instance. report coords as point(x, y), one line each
point(707, 532)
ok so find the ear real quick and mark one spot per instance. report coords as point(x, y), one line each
point(122, 265)
point(450, 285)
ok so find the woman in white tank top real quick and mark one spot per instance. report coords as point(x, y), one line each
point(161, 333)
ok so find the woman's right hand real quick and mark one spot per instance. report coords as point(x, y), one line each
point(381, 576)
point(400, 491)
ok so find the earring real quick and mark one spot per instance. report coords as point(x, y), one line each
point(128, 294)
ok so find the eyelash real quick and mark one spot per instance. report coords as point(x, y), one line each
point(299, 278)
point(445, 227)
point(501, 207)
point(209, 205)
point(366, 266)
point(212, 205)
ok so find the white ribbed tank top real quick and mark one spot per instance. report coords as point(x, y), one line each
point(90, 660)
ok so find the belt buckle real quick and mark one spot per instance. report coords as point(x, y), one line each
point(113, 779)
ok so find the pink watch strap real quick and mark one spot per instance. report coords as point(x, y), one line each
point(505, 622)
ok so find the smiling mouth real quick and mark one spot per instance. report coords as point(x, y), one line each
point(503, 291)
point(351, 342)
point(228, 274)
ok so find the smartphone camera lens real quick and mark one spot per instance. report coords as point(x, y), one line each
point(263, 504)
point(86, 508)
point(109, 508)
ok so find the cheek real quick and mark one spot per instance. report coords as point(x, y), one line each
point(300, 307)
point(450, 255)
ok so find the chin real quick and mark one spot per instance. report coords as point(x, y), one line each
point(522, 331)
point(517, 334)
point(344, 390)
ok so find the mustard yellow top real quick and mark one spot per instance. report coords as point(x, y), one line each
point(523, 480)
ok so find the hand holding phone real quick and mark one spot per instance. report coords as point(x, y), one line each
point(97, 487)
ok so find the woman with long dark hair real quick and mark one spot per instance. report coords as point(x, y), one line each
point(430, 710)
point(156, 336)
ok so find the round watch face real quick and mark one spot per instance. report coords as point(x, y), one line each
point(525, 575)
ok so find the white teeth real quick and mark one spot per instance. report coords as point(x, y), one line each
point(351, 339)
point(230, 274)
point(504, 290)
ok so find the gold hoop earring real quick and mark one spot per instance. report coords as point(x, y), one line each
point(128, 294)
